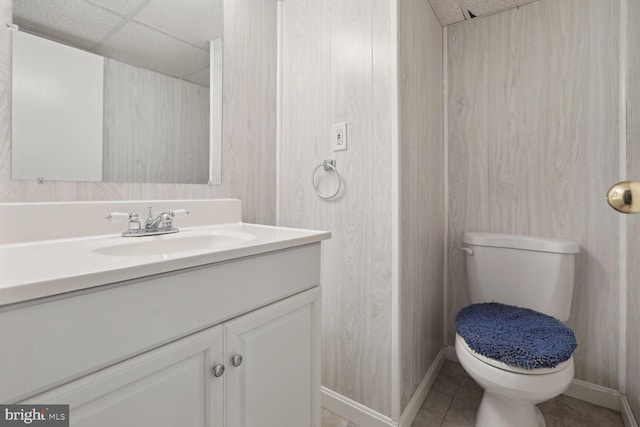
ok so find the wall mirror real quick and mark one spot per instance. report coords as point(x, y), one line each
point(117, 90)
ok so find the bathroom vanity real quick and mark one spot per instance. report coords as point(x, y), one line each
point(217, 325)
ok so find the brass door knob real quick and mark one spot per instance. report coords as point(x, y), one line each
point(625, 197)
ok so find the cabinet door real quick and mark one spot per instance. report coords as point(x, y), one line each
point(167, 387)
point(277, 384)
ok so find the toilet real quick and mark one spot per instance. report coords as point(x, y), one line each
point(511, 340)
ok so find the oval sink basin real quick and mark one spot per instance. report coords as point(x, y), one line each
point(173, 243)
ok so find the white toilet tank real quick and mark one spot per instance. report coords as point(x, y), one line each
point(525, 271)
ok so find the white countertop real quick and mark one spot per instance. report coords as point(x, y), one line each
point(40, 269)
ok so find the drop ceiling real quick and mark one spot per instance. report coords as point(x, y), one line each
point(168, 36)
point(452, 11)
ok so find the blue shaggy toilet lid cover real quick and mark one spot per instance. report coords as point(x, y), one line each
point(516, 336)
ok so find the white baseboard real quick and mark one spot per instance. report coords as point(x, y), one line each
point(627, 414)
point(593, 393)
point(353, 411)
point(361, 415)
point(414, 405)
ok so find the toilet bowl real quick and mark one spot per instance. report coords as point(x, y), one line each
point(519, 272)
point(511, 393)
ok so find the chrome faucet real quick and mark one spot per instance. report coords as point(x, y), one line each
point(162, 224)
point(162, 221)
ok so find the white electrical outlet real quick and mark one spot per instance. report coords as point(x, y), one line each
point(339, 136)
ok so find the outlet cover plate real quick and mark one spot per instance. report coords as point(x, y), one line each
point(339, 136)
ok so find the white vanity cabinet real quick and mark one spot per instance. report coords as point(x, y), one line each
point(260, 370)
point(277, 381)
point(170, 386)
point(150, 351)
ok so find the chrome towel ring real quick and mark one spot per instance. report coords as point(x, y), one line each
point(329, 166)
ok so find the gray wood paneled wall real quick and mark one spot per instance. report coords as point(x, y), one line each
point(336, 65)
point(156, 127)
point(249, 124)
point(633, 221)
point(421, 191)
point(533, 147)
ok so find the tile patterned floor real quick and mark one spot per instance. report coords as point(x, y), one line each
point(329, 419)
point(454, 399)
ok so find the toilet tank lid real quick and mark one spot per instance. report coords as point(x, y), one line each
point(514, 241)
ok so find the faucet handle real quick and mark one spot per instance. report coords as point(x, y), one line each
point(179, 212)
point(118, 216)
point(133, 218)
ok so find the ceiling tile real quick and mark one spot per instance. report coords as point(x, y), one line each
point(483, 7)
point(139, 45)
point(76, 22)
point(123, 7)
point(448, 11)
point(195, 21)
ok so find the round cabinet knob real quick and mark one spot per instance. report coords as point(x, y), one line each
point(218, 370)
point(236, 360)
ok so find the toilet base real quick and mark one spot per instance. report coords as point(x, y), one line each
point(500, 411)
point(541, 422)
point(510, 398)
